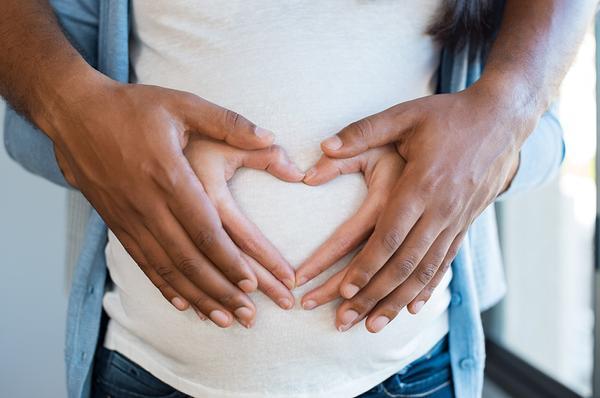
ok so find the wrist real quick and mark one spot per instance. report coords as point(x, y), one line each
point(513, 104)
point(65, 96)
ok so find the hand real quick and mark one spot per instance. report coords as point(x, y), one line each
point(461, 151)
point(215, 163)
point(122, 146)
point(381, 168)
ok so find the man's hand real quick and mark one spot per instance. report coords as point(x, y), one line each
point(215, 163)
point(457, 162)
point(123, 147)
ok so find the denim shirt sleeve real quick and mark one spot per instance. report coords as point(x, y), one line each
point(541, 156)
point(25, 143)
point(31, 148)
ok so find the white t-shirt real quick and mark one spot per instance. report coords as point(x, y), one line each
point(303, 69)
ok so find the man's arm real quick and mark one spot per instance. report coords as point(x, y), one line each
point(123, 145)
point(461, 150)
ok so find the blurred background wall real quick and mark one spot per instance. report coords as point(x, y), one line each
point(33, 295)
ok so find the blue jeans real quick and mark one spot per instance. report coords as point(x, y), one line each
point(428, 377)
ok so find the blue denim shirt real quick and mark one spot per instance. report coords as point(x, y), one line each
point(100, 31)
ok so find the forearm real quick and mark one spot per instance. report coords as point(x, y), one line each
point(39, 69)
point(536, 44)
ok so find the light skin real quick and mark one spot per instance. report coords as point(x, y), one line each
point(461, 150)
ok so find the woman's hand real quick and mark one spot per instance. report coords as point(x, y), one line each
point(461, 151)
point(215, 163)
point(381, 168)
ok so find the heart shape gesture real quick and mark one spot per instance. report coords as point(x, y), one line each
point(215, 163)
point(381, 168)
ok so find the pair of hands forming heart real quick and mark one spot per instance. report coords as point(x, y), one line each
point(441, 164)
point(215, 163)
point(431, 165)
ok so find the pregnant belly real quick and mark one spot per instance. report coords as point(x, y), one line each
point(283, 344)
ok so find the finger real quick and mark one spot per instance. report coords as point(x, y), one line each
point(404, 292)
point(326, 169)
point(275, 161)
point(373, 131)
point(346, 238)
point(194, 266)
point(194, 211)
point(252, 241)
point(270, 286)
point(418, 302)
point(163, 286)
point(160, 264)
point(398, 271)
point(325, 293)
point(393, 225)
point(204, 117)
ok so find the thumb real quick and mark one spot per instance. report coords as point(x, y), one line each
point(204, 117)
point(326, 169)
point(373, 131)
point(275, 161)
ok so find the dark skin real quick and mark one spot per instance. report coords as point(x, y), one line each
point(108, 134)
point(461, 150)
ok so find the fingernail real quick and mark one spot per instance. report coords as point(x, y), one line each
point(348, 317)
point(285, 303)
point(200, 315)
point(418, 305)
point(344, 327)
point(310, 173)
point(301, 281)
point(349, 291)
point(263, 133)
point(333, 143)
point(289, 283)
point(219, 317)
point(247, 285)
point(244, 315)
point(179, 303)
point(379, 323)
point(309, 304)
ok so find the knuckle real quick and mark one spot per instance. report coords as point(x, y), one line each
point(364, 304)
point(230, 299)
point(443, 268)
point(447, 209)
point(204, 239)
point(426, 273)
point(363, 128)
point(249, 245)
point(187, 266)
point(392, 240)
point(403, 268)
point(166, 272)
point(231, 119)
point(430, 184)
